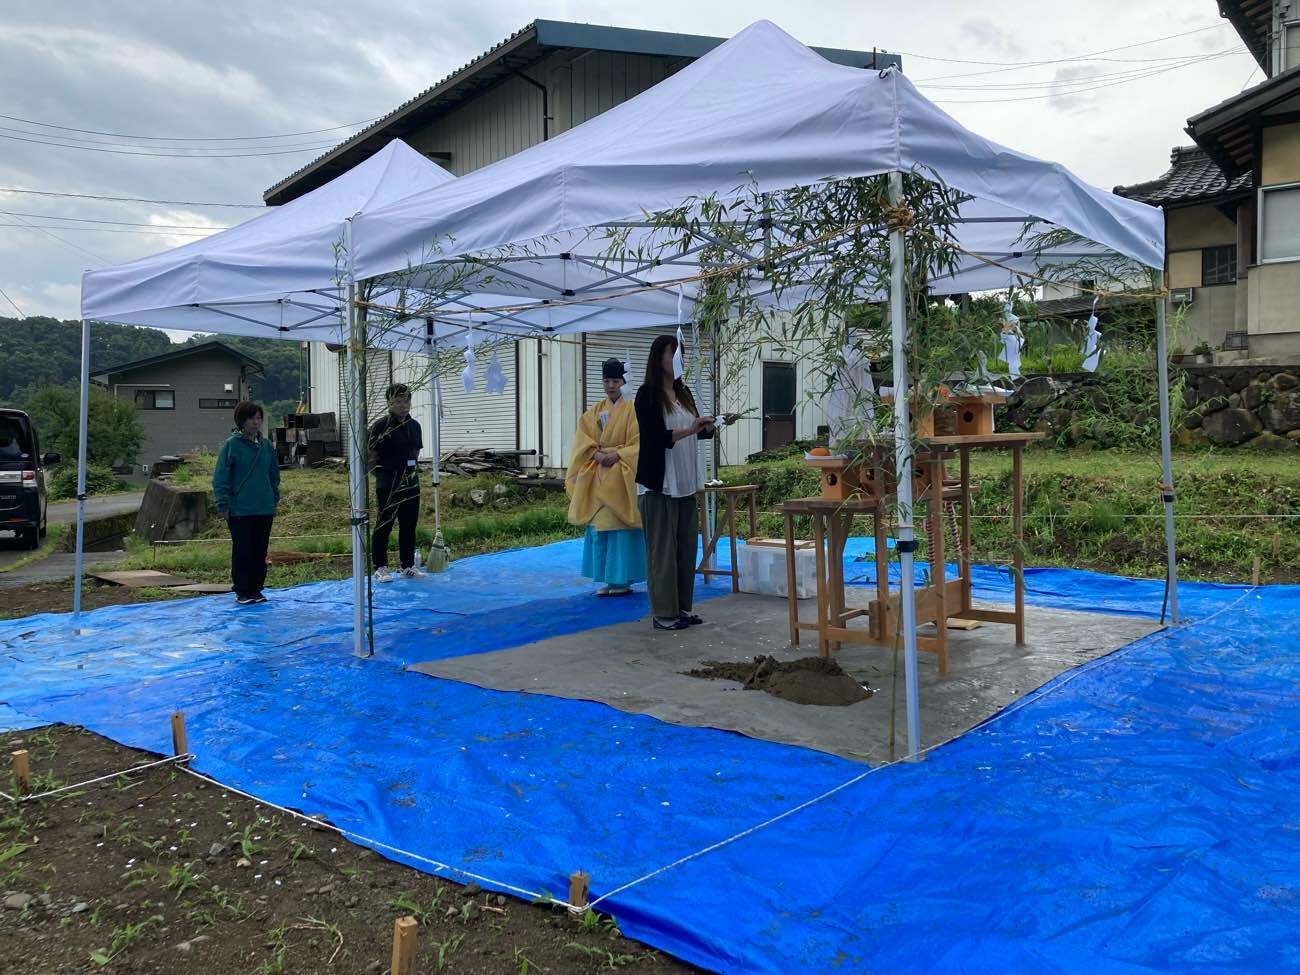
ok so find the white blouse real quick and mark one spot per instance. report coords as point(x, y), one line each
point(681, 460)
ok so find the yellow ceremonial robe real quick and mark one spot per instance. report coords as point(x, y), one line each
point(605, 497)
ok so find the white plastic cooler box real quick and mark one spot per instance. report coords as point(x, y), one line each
point(762, 570)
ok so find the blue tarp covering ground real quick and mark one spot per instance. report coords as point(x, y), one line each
point(1140, 814)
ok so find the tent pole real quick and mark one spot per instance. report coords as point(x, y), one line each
point(81, 469)
point(1166, 454)
point(356, 456)
point(903, 467)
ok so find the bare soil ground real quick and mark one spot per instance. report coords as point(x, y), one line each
point(161, 871)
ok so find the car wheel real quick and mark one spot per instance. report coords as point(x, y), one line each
point(45, 528)
point(31, 537)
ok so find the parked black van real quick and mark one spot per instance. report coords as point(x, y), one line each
point(23, 504)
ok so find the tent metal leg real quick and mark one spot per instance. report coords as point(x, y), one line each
point(84, 414)
point(1166, 453)
point(358, 434)
point(903, 466)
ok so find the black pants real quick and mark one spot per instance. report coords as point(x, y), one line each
point(398, 502)
point(670, 537)
point(249, 535)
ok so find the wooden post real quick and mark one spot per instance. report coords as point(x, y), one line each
point(1254, 572)
point(1277, 545)
point(22, 773)
point(579, 889)
point(1018, 533)
point(404, 934)
point(791, 580)
point(180, 741)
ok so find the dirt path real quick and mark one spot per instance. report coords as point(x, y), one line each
point(164, 872)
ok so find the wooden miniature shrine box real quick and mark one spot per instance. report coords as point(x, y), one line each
point(843, 479)
point(975, 414)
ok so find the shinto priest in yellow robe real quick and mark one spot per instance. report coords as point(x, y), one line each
point(602, 488)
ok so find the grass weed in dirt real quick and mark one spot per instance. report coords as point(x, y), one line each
point(162, 872)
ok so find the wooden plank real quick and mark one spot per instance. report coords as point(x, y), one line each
point(141, 578)
point(180, 741)
point(985, 440)
point(792, 601)
point(988, 615)
point(404, 943)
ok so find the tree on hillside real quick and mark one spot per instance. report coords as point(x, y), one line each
point(114, 434)
point(39, 352)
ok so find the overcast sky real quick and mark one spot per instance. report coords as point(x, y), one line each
point(188, 70)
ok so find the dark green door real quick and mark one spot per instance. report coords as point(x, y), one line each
point(779, 397)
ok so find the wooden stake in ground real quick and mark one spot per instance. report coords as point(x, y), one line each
point(22, 773)
point(404, 930)
point(579, 889)
point(180, 741)
point(1277, 545)
point(1254, 572)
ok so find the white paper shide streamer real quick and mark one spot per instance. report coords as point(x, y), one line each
point(1012, 340)
point(494, 380)
point(678, 368)
point(467, 374)
point(1092, 342)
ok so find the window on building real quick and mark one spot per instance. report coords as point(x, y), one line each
point(1279, 224)
point(1291, 45)
point(155, 399)
point(1219, 265)
point(218, 404)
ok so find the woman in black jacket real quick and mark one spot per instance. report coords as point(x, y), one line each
point(667, 477)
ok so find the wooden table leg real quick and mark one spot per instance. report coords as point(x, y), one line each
point(1018, 526)
point(753, 514)
point(791, 598)
point(731, 530)
point(823, 587)
point(835, 570)
point(938, 572)
point(965, 531)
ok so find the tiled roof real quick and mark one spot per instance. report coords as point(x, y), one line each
point(1192, 176)
point(1080, 306)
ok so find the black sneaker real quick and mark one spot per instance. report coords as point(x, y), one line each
point(259, 598)
point(246, 600)
point(690, 619)
point(674, 625)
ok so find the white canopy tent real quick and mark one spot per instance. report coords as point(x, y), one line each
point(279, 275)
point(761, 113)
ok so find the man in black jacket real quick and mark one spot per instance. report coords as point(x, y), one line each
point(395, 444)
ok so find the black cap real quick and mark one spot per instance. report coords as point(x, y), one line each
point(612, 369)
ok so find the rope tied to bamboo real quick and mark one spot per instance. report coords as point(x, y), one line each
point(899, 217)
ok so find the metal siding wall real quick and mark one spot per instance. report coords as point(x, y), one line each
point(479, 419)
point(379, 375)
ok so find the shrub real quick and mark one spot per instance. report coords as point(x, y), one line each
point(62, 481)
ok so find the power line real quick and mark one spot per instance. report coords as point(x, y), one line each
point(80, 142)
point(1070, 91)
point(118, 223)
point(1058, 82)
point(172, 155)
point(14, 303)
point(114, 230)
point(66, 243)
point(179, 138)
point(131, 199)
point(1077, 57)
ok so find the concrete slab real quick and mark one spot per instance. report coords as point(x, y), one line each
point(203, 587)
point(636, 669)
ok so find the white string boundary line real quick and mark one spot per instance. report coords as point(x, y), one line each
point(325, 824)
point(103, 778)
point(1005, 713)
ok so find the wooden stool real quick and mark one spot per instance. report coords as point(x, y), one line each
point(730, 497)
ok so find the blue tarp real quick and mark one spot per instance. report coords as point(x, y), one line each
point(1139, 814)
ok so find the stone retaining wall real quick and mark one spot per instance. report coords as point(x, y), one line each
point(1226, 406)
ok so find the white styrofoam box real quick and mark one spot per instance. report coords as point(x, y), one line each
point(762, 571)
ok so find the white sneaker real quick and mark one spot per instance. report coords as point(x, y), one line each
point(383, 575)
point(412, 573)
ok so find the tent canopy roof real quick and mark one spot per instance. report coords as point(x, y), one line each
point(762, 112)
point(279, 269)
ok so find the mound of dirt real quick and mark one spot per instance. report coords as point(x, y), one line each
point(810, 680)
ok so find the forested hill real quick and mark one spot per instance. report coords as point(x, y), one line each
point(38, 352)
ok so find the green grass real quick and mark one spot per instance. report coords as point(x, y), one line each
point(53, 537)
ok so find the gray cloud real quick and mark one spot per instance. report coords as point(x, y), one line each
point(195, 69)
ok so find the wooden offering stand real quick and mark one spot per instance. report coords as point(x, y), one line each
point(731, 496)
point(866, 487)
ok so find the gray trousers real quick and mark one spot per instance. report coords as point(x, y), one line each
point(670, 534)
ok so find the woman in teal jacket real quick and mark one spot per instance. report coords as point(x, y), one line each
point(246, 486)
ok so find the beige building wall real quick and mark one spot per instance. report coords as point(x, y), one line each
point(1213, 312)
point(1280, 162)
